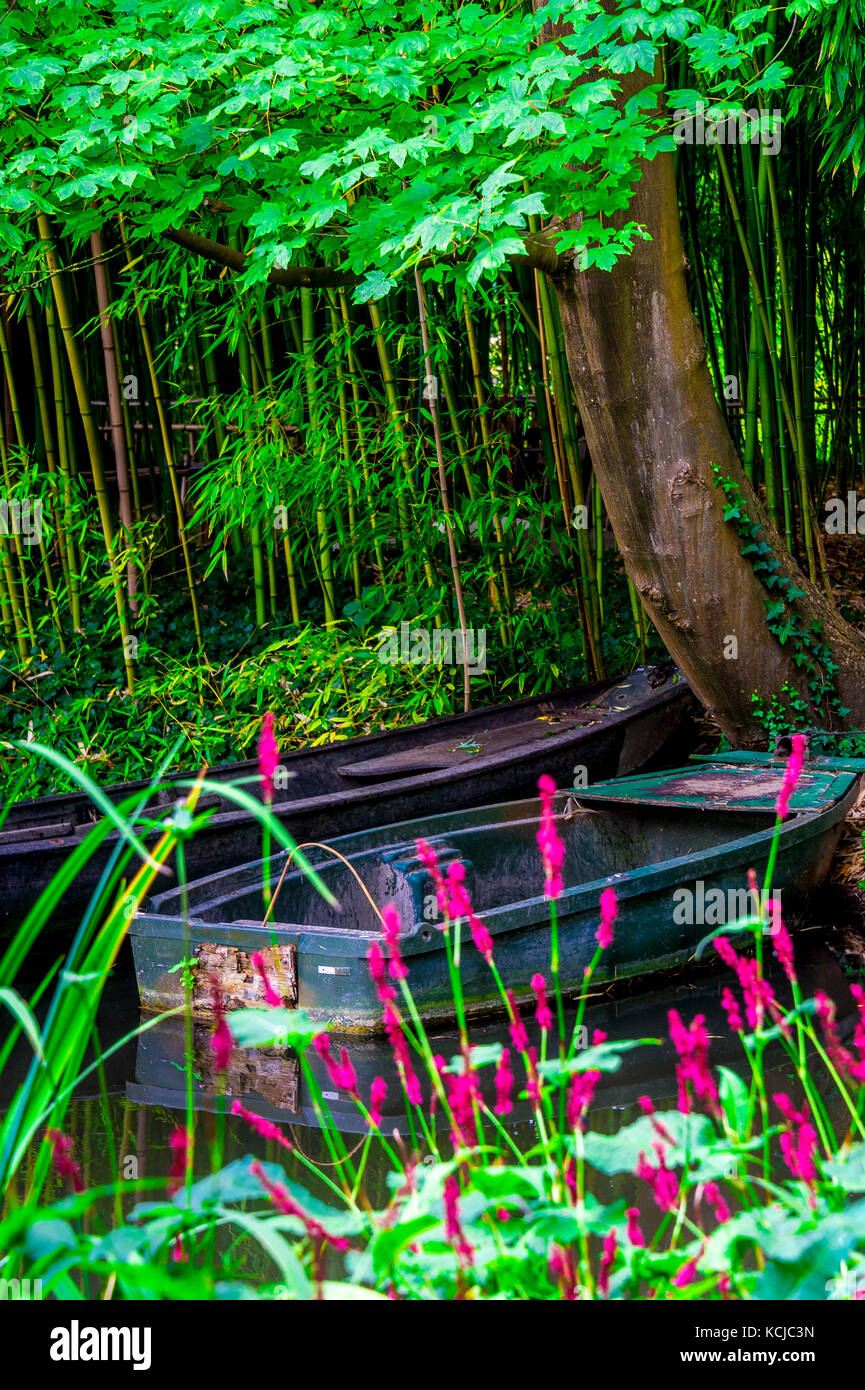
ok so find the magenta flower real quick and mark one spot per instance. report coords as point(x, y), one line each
point(687, 1273)
point(859, 1033)
point(534, 1089)
point(635, 1235)
point(377, 1093)
point(63, 1163)
point(581, 1093)
point(341, 1073)
point(715, 1198)
point(560, 1265)
point(792, 773)
point(758, 993)
point(430, 861)
point(646, 1105)
point(463, 1096)
point(519, 1036)
point(270, 995)
point(390, 925)
point(609, 913)
point(608, 1257)
point(504, 1081)
point(782, 944)
point(453, 1226)
point(378, 972)
point(725, 951)
point(550, 844)
point(798, 1144)
point(396, 1038)
point(181, 1148)
point(665, 1185)
point(460, 906)
point(692, 1069)
point(843, 1060)
point(542, 1012)
point(264, 1127)
point(731, 1009)
point(284, 1202)
point(221, 1042)
point(268, 757)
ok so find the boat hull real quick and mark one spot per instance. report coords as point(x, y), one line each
point(322, 968)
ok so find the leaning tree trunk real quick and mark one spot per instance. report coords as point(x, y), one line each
point(638, 364)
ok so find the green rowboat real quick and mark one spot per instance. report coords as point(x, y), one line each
point(676, 846)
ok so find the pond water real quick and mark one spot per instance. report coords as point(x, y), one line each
point(126, 1128)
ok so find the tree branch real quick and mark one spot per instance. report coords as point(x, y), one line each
point(310, 277)
point(540, 253)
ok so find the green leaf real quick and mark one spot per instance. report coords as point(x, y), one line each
point(265, 1027)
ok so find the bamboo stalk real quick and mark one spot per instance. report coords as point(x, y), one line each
point(92, 439)
point(167, 445)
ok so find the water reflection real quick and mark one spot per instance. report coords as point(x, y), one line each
point(127, 1131)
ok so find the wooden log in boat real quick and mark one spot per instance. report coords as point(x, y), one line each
point(460, 761)
point(676, 847)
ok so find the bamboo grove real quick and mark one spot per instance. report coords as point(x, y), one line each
point(229, 477)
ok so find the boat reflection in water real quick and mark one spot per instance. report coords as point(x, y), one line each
point(270, 1081)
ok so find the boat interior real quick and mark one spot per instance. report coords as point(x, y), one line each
point(497, 845)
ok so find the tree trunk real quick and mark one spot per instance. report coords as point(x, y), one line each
point(638, 364)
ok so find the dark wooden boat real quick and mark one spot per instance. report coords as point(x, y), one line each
point(676, 846)
point(460, 761)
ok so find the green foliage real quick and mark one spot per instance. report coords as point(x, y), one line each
point(808, 650)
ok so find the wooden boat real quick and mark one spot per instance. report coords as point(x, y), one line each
point(459, 761)
point(676, 846)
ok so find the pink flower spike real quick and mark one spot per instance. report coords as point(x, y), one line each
point(64, 1164)
point(181, 1148)
point(792, 773)
point(715, 1197)
point(270, 995)
point(390, 925)
point(635, 1235)
point(687, 1273)
point(460, 906)
point(519, 1036)
point(453, 1226)
point(782, 944)
point(268, 757)
point(609, 913)
point(221, 1041)
point(542, 1012)
point(550, 844)
point(342, 1072)
point(377, 1093)
point(608, 1257)
point(264, 1127)
point(731, 1009)
point(504, 1082)
point(580, 1096)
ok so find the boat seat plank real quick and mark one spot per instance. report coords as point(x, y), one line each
point(451, 753)
point(36, 832)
